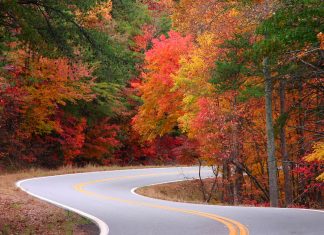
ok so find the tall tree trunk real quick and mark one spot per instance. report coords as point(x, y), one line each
point(301, 142)
point(254, 180)
point(224, 177)
point(285, 158)
point(272, 163)
point(238, 185)
point(235, 153)
point(212, 190)
point(202, 185)
point(226, 185)
point(301, 117)
point(238, 174)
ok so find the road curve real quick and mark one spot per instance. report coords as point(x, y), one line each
point(108, 198)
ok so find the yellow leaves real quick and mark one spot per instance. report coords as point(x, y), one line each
point(317, 155)
point(233, 12)
point(189, 99)
point(185, 123)
point(320, 177)
point(193, 78)
point(195, 69)
point(159, 114)
point(97, 17)
point(206, 40)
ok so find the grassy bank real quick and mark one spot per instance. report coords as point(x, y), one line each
point(183, 191)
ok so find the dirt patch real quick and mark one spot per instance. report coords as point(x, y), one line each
point(20, 213)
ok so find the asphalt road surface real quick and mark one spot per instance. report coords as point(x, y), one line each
point(108, 198)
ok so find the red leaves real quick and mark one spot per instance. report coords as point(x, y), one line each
point(142, 41)
point(216, 126)
point(164, 57)
point(169, 150)
point(31, 97)
point(309, 171)
point(93, 143)
point(101, 140)
point(72, 138)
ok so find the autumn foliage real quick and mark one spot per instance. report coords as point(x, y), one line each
point(157, 116)
point(237, 86)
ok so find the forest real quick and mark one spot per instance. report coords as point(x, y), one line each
point(234, 85)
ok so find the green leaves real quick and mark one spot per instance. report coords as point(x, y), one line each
point(107, 97)
point(225, 75)
point(251, 91)
point(48, 27)
point(130, 16)
point(291, 26)
point(232, 67)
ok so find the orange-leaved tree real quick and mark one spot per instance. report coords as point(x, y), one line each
point(161, 107)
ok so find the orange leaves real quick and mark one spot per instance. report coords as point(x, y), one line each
point(55, 83)
point(320, 37)
point(142, 41)
point(211, 23)
point(48, 84)
point(161, 107)
point(163, 59)
point(197, 17)
point(97, 17)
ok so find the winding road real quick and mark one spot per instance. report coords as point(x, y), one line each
point(108, 198)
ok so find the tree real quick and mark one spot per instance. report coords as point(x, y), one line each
point(161, 107)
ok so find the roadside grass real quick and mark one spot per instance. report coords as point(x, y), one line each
point(21, 213)
point(182, 191)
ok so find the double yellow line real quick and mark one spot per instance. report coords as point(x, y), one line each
point(234, 227)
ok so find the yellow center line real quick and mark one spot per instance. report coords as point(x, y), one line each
point(234, 227)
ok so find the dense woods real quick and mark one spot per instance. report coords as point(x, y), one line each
point(237, 85)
